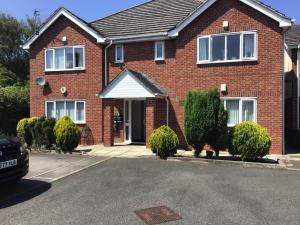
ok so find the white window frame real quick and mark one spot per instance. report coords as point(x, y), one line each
point(156, 58)
point(242, 58)
point(64, 69)
point(241, 100)
point(116, 53)
point(65, 105)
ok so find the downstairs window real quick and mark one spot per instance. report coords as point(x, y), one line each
point(73, 109)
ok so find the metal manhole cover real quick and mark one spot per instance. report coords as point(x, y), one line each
point(157, 215)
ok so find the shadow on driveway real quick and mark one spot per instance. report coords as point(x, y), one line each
point(23, 191)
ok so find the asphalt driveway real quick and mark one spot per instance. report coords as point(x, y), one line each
point(109, 193)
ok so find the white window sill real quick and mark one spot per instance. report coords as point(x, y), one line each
point(63, 70)
point(226, 61)
point(159, 59)
point(119, 62)
point(80, 123)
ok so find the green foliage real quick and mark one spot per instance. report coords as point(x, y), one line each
point(249, 140)
point(164, 142)
point(205, 120)
point(48, 132)
point(13, 107)
point(22, 130)
point(67, 134)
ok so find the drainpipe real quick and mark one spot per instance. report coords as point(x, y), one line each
point(168, 103)
point(105, 63)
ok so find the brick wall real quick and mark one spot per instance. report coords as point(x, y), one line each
point(179, 73)
point(80, 84)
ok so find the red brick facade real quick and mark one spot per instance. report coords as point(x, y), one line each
point(81, 85)
point(178, 74)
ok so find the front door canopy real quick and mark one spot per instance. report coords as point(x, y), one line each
point(131, 84)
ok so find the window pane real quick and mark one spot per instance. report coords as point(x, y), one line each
point(60, 109)
point(70, 110)
point(80, 111)
point(159, 50)
point(119, 53)
point(78, 57)
point(203, 49)
point(248, 110)
point(69, 58)
point(232, 107)
point(49, 59)
point(59, 59)
point(249, 43)
point(233, 47)
point(218, 48)
point(50, 110)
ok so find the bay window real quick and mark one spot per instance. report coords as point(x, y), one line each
point(229, 47)
point(73, 109)
point(240, 110)
point(64, 58)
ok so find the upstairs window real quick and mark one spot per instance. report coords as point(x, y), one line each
point(159, 50)
point(119, 54)
point(231, 47)
point(65, 58)
point(240, 110)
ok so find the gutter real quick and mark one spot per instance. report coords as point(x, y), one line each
point(105, 63)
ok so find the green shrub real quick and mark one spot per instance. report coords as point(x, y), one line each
point(164, 142)
point(31, 124)
point(37, 132)
point(22, 130)
point(205, 120)
point(67, 134)
point(250, 141)
point(48, 131)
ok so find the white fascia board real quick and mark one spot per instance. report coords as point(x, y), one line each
point(75, 20)
point(283, 22)
point(198, 12)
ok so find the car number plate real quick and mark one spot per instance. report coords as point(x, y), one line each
point(7, 164)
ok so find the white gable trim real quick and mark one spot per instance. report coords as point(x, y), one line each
point(134, 88)
point(283, 22)
point(74, 19)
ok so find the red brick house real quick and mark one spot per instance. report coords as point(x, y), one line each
point(124, 75)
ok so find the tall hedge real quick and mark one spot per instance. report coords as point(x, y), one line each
point(205, 120)
point(67, 134)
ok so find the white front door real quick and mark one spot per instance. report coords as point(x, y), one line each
point(127, 121)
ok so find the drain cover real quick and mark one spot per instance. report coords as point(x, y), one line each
point(157, 215)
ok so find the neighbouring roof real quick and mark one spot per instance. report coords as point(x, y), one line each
point(141, 86)
point(293, 36)
point(158, 16)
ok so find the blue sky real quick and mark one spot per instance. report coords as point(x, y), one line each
point(93, 9)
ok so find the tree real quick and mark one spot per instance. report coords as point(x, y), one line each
point(205, 120)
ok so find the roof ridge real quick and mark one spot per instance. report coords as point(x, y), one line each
point(124, 10)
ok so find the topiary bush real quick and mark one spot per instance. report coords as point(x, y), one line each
point(23, 130)
point(205, 120)
point(37, 132)
point(164, 142)
point(31, 124)
point(67, 134)
point(48, 131)
point(250, 141)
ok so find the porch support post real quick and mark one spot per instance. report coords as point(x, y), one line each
point(150, 118)
point(108, 135)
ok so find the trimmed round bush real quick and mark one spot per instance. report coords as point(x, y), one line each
point(250, 141)
point(67, 134)
point(22, 130)
point(48, 132)
point(164, 142)
point(31, 123)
